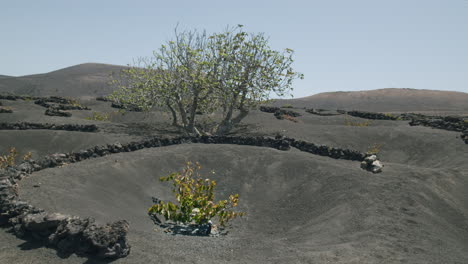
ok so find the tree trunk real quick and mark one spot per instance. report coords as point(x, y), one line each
point(173, 112)
point(193, 110)
point(229, 123)
point(225, 125)
point(183, 115)
point(243, 113)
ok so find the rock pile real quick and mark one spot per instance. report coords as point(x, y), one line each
point(269, 109)
point(5, 110)
point(56, 112)
point(465, 136)
point(103, 98)
point(70, 106)
point(67, 127)
point(323, 150)
point(128, 107)
point(55, 105)
point(322, 112)
point(68, 234)
point(278, 112)
point(54, 99)
point(375, 116)
point(17, 97)
point(451, 123)
point(372, 164)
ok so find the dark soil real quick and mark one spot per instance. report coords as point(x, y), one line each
point(301, 208)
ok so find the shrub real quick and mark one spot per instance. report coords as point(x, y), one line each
point(74, 102)
point(6, 109)
point(393, 117)
point(374, 149)
point(349, 122)
point(99, 117)
point(9, 159)
point(287, 106)
point(290, 118)
point(195, 197)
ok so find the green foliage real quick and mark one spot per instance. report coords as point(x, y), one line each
point(9, 159)
point(195, 197)
point(231, 71)
point(374, 149)
point(287, 106)
point(99, 116)
point(349, 122)
point(395, 117)
point(74, 102)
point(290, 118)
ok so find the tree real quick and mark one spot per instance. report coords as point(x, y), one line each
point(232, 71)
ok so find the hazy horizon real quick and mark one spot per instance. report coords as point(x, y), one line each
point(339, 45)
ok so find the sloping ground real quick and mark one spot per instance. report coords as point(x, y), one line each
point(89, 79)
point(44, 142)
point(301, 208)
point(4, 76)
point(385, 100)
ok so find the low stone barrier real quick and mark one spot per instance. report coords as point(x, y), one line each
point(60, 106)
point(128, 107)
point(67, 127)
point(11, 97)
point(103, 98)
point(5, 111)
point(279, 142)
point(465, 136)
point(269, 109)
point(56, 112)
point(375, 116)
point(58, 103)
point(71, 234)
point(450, 123)
point(321, 112)
point(68, 234)
point(278, 112)
point(54, 99)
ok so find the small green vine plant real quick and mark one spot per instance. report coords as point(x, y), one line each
point(99, 117)
point(9, 160)
point(195, 199)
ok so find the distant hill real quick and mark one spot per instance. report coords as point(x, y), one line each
point(89, 79)
point(385, 100)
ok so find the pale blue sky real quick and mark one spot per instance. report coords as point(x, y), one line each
point(339, 44)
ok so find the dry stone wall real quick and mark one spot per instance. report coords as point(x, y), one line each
point(5, 110)
point(278, 112)
point(72, 234)
point(375, 116)
point(67, 127)
point(450, 123)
